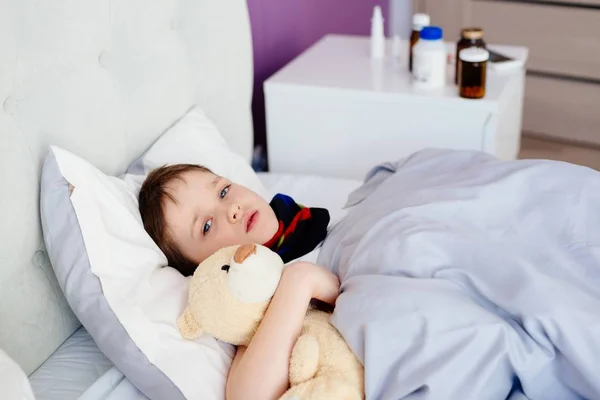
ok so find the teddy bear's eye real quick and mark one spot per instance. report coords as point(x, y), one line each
point(225, 268)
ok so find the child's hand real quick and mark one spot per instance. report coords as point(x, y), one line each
point(323, 285)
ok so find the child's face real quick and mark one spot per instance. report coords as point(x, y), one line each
point(209, 212)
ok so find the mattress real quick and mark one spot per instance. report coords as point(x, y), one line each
point(79, 370)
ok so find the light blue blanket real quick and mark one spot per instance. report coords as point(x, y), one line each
point(466, 277)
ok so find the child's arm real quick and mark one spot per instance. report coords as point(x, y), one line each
point(261, 371)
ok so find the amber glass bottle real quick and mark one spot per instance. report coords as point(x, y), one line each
point(469, 37)
point(419, 22)
point(472, 72)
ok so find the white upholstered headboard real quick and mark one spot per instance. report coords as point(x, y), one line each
point(103, 79)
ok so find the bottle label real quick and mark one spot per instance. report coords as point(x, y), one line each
point(429, 69)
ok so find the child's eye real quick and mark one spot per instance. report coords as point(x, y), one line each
point(206, 227)
point(224, 191)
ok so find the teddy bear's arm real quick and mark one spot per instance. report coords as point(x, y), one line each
point(323, 387)
point(304, 360)
point(188, 326)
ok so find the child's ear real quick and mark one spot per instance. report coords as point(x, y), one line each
point(188, 326)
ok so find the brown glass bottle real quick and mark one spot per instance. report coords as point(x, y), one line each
point(472, 72)
point(414, 38)
point(419, 21)
point(469, 37)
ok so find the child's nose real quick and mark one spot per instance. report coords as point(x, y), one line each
point(235, 213)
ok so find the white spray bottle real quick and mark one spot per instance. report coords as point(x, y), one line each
point(377, 37)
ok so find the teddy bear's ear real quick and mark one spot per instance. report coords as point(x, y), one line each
point(188, 326)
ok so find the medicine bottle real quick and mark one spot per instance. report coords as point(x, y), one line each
point(473, 72)
point(419, 21)
point(429, 68)
point(469, 37)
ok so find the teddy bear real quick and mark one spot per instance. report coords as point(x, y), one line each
point(228, 296)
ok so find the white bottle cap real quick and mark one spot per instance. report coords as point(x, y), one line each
point(377, 15)
point(474, 54)
point(420, 20)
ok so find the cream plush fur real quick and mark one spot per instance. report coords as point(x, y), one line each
point(228, 296)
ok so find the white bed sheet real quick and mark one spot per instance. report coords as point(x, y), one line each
point(79, 370)
point(71, 369)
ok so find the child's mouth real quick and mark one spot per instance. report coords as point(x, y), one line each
point(251, 221)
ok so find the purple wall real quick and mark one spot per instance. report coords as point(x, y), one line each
point(283, 29)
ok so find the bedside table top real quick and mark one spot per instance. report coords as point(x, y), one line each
point(342, 62)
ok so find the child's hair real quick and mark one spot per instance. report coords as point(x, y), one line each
point(152, 196)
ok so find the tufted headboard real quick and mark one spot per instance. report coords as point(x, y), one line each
point(103, 79)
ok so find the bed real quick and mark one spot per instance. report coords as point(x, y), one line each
point(103, 79)
point(91, 89)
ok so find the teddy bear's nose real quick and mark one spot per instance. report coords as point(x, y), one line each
point(243, 252)
point(225, 268)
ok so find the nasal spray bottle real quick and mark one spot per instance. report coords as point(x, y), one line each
point(377, 36)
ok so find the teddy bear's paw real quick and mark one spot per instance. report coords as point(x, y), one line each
point(323, 388)
point(188, 327)
point(304, 360)
point(290, 397)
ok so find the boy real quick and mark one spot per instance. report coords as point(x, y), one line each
point(191, 212)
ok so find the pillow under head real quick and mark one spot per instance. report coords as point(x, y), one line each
point(115, 277)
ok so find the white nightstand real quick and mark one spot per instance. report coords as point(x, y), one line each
point(333, 111)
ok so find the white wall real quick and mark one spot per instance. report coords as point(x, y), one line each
point(400, 17)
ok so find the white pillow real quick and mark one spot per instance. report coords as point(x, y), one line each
point(195, 139)
point(143, 295)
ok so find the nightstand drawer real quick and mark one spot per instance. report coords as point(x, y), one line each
point(562, 40)
point(563, 109)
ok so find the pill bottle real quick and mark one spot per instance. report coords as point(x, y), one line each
point(472, 72)
point(429, 59)
point(469, 37)
point(419, 21)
